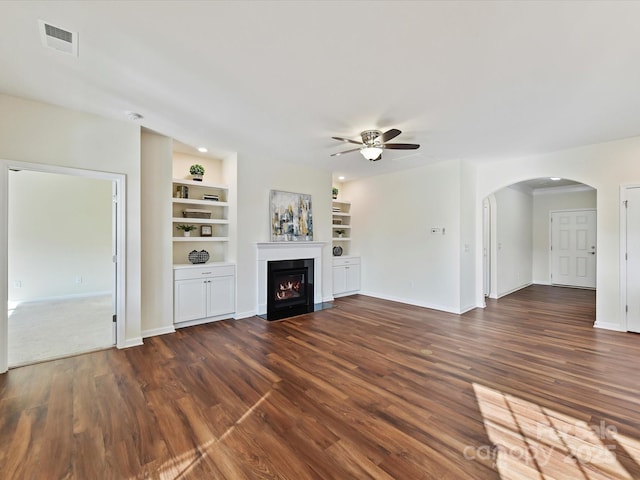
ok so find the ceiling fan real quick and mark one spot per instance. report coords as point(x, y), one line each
point(374, 141)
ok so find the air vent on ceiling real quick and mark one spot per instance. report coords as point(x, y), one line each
point(58, 38)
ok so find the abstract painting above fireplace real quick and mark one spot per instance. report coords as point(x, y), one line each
point(291, 216)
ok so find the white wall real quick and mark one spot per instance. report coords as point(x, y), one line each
point(544, 201)
point(392, 217)
point(212, 167)
point(35, 132)
point(59, 233)
point(157, 270)
point(514, 218)
point(229, 174)
point(256, 177)
point(605, 167)
point(467, 237)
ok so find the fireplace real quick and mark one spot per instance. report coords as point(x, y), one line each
point(290, 288)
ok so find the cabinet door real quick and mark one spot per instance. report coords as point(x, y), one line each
point(190, 297)
point(353, 278)
point(222, 298)
point(339, 280)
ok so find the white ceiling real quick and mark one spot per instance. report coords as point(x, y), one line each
point(546, 183)
point(467, 80)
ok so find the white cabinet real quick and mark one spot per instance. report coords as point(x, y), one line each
point(346, 276)
point(203, 293)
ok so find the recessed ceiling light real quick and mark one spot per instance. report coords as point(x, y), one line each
point(555, 179)
point(202, 150)
point(341, 178)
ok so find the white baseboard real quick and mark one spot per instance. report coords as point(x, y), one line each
point(541, 282)
point(347, 294)
point(328, 299)
point(409, 301)
point(500, 295)
point(131, 342)
point(154, 332)
point(200, 321)
point(609, 326)
point(247, 314)
point(468, 309)
point(60, 297)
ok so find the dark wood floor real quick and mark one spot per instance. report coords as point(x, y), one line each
point(371, 389)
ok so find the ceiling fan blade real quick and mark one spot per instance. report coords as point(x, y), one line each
point(389, 135)
point(347, 140)
point(346, 151)
point(400, 146)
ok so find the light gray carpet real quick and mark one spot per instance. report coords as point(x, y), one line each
point(52, 329)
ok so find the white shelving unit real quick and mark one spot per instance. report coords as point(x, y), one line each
point(218, 222)
point(341, 220)
point(202, 292)
point(346, 268)
point(217, 208)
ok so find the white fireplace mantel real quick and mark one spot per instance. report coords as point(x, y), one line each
point(272, 251)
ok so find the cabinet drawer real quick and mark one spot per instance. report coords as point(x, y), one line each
point(342, 261)
point(204, 271)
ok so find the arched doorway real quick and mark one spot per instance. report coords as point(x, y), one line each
point(518, 246)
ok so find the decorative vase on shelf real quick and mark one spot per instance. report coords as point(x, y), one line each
point(186, 234)
point(197, 178)
point(198, 257)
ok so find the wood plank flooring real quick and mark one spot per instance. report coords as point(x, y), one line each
point(525, 388)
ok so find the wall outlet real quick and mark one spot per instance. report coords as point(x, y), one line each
point(17, 284)
point(78, 279)
point(435, 230)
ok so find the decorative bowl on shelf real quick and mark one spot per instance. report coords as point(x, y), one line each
point(198, 257)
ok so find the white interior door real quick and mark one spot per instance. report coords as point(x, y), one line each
point(573, 248)
point(633, 259)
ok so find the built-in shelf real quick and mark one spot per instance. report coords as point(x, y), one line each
point(206, 221)
point(193, 201)
point(208, 216)
point(182, 181)
point(341, 221)
point(200, 239)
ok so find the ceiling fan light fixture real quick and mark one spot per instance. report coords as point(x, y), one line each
point(371, 153)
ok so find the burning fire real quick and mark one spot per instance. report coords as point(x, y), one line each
point(287, 290)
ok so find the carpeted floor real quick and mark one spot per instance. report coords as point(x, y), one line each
point(52, 329)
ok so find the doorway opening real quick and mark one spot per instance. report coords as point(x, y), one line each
point(64, 274)
point(519, 246)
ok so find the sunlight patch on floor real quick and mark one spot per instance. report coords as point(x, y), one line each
point(179, 467)
point(530, 441)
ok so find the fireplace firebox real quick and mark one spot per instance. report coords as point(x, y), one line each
point(289, 288)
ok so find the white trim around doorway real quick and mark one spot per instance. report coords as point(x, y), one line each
point(120, 260)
